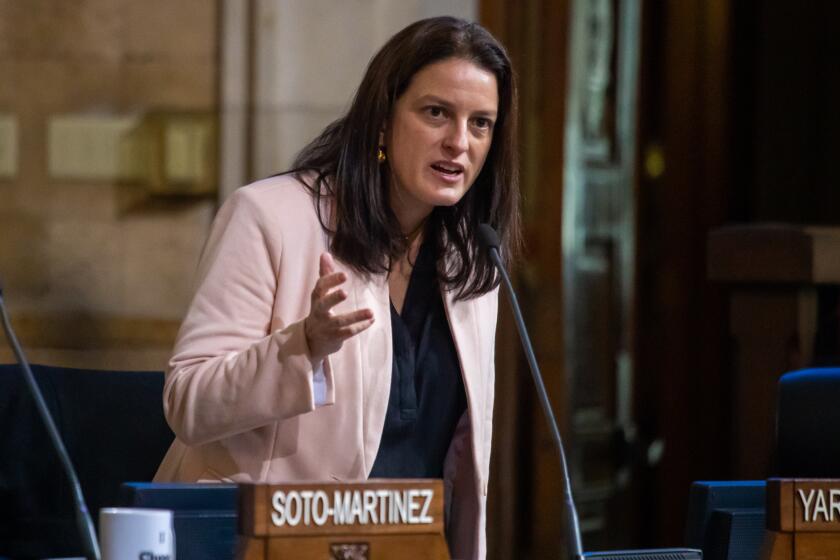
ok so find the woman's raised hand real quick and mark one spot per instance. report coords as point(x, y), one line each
point(325, 331)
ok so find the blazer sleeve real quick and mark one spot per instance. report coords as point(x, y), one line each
point(229, 373)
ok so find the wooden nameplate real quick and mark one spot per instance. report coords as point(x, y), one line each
point(803, 519)
point(372, 520)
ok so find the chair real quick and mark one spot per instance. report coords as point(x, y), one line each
point(205, 515)
point(808, 424)
point(727, 518)
point(113, 426)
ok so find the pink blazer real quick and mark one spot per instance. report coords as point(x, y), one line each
point(239, 391)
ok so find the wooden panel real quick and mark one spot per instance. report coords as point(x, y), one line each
point(254, 510)
point(776, 546)
point(383, 547)
point(774, 254)
point(792, 96)
point(773, 330)
point(816, 546)
point(683, 389)
point(525, 496)
point(250, 548)
point(543, 64)
point(408, 547)
point(505, 500)
point(780, 504)
point(82, 330)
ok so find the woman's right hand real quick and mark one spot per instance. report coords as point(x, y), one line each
point(326, 332)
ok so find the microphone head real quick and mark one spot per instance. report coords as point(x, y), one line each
point(487, 237)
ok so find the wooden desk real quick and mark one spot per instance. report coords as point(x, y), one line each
point(803, 519)
point(373, 520)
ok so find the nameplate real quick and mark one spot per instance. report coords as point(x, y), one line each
point(803, 505)
point(371, 507)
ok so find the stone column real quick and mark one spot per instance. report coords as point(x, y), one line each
point(306, 60)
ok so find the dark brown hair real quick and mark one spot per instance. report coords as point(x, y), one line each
point(366, 233)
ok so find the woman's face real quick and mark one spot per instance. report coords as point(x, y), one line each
point(438, 136)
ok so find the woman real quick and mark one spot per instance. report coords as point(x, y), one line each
point(344, 317)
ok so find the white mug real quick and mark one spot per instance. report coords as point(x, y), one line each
point(136, 534)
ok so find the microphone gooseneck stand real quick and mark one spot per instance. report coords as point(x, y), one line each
point(83, 520)
point(490, 239)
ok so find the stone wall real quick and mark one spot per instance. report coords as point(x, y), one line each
point(97, 272)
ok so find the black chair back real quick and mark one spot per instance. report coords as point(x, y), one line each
point(113, 428)
point(808, 424)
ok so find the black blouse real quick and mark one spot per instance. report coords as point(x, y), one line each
point(427, 392)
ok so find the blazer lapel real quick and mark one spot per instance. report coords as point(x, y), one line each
point(376, 351)
point(465, 333)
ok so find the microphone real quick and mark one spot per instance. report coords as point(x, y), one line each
point(489, 239)
point(83, 520)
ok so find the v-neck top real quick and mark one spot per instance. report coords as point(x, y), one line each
point(427, 395)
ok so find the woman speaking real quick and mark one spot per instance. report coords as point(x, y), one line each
point(344, 317)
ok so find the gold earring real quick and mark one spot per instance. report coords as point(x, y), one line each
point(380, 155)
